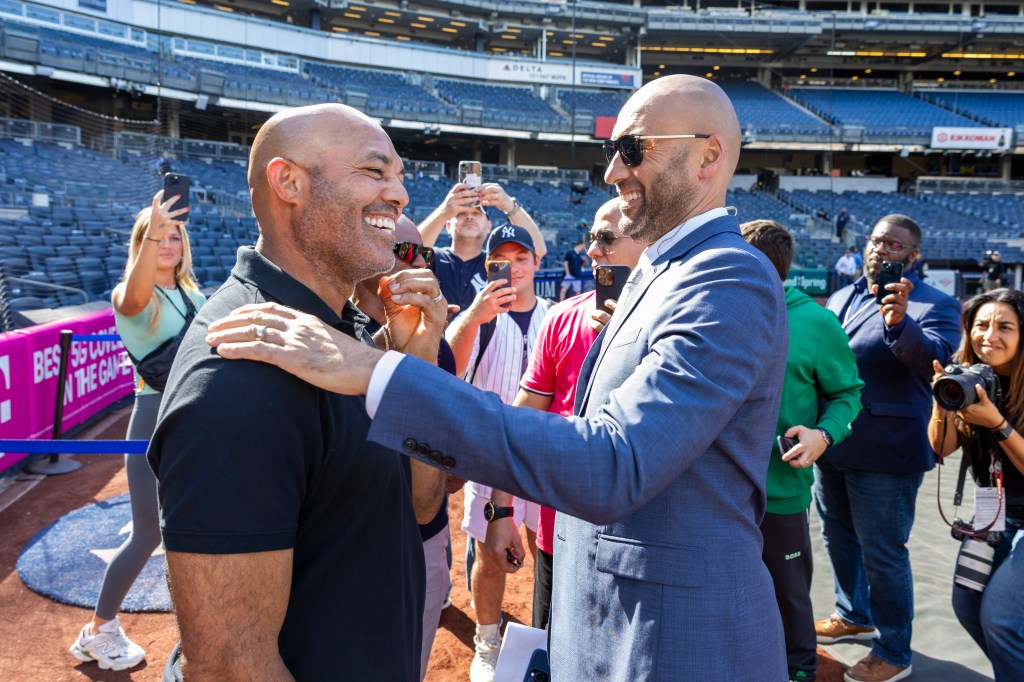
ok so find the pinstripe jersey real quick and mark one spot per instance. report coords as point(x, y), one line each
point(505, 357)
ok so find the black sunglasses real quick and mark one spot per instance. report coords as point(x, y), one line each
point(408, 252)
point(631, 147)
point(604, 238)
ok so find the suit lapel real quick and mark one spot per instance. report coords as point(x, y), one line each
point(658, 267)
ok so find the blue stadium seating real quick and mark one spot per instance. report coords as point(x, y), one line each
point(388, 94)
point(503, 106)
point(1004, 109)
point(880, 112)
point(763, 111)
point(598, 103)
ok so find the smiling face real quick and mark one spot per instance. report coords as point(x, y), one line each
point(355, 197)
point(678, 178)
point(995, 336)
point(524, 265)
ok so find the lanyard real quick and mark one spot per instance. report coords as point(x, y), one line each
point(865, 306)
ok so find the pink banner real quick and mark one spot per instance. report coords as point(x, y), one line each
point(98, 375)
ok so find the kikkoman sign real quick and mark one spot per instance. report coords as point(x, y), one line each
point(989, 139)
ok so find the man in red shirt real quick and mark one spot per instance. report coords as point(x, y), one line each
point(550, 384)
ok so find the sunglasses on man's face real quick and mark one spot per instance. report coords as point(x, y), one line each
point(630, 148)
point(408, 252)
point(605, 239)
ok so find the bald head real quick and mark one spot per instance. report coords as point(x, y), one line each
point(303, 135)
point(405, 231)
point(608, 216)
point(681, 104)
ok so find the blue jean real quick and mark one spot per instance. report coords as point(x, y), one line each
point(995, 617)
point(866, 517)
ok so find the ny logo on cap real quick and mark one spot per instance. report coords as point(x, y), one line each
point(508, 232)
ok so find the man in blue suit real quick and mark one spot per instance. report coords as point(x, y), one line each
point(661, 477)
point(866, 487)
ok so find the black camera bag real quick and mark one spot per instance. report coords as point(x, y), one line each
point(155, 368)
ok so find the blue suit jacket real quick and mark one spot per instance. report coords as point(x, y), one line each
point(891, 432)
point(658, 570)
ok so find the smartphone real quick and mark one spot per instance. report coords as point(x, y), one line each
point(176, 183)
point(891, 273)
point(500, 269)
point(471, 175)
point(610, 279)
point(538, 670)
point(786, 444)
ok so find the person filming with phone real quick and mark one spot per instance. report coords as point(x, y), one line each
point(979, 403)
point(549, 384)
point(492, 342)
point(153, 304)
point(865, 488)
point(820, 398)
point(459, 268)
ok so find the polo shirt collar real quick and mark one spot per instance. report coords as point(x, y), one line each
point(280, 287)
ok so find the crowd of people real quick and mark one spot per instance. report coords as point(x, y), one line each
point(662, 449)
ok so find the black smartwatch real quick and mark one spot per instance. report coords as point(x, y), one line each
point(492, 513)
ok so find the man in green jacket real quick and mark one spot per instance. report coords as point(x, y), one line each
point(820, 399)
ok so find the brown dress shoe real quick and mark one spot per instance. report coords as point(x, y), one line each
point(873, 669)
point(834, 629)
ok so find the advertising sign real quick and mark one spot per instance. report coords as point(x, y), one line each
point(98, 375)
point(559, 73)
point(811, 282)
point(972, 138)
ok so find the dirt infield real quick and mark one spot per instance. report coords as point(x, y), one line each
point(36, 631)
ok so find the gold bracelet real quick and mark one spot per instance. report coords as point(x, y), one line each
point(388, 341)
point(939, 420)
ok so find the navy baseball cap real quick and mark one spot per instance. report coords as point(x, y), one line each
point(504, 234)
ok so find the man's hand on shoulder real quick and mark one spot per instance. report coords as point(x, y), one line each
point(298, 343)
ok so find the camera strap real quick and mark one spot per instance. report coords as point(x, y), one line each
point(996, 473)
point(958, 495)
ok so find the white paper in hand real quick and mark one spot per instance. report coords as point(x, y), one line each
point(516, 649)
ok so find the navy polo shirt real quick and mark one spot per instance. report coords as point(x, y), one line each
point(252, 459)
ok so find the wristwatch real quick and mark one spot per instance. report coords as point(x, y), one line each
point(1002, 434)
point(515, 208)
point(492, 513)
point(828, 438)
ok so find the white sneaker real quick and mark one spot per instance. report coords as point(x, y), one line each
point(486, 655)
point(109, 647)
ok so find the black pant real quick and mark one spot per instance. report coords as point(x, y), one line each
point(787, 554)
point(542, 589)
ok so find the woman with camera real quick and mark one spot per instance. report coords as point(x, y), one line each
point(986, 427)
point(157, 296)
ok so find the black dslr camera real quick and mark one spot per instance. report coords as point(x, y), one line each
point(955, 390)
point(962, 529)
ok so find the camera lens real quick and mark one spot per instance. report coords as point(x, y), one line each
point(954, 392)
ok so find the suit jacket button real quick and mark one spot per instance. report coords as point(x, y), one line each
point(422, 449)
point(409, 445)
point(435, 456)
point(448, 462)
